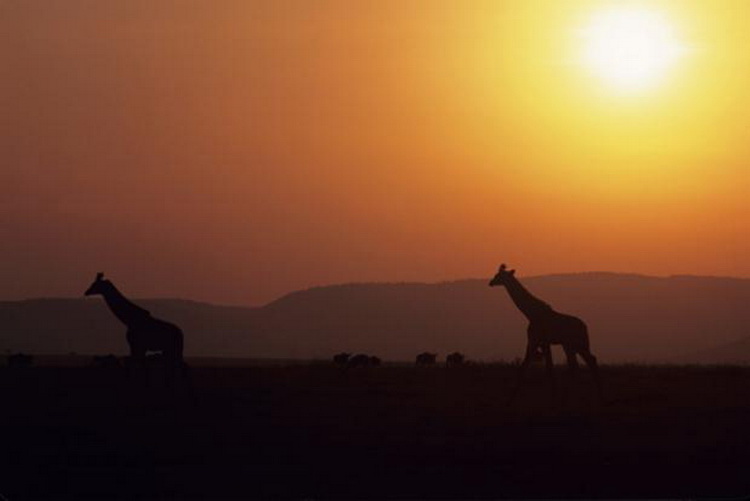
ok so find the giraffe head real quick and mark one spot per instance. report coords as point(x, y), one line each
point(502, 277)
point(97, 286)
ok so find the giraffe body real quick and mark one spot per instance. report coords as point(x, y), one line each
point(156, 335)
point(558, 328)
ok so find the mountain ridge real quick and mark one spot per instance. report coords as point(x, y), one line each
point(631, 317)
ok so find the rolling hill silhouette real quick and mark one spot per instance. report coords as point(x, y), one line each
point(631, 318)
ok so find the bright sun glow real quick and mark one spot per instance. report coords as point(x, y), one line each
point(630, 48)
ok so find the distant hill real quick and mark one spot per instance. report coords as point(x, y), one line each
point(630, 318)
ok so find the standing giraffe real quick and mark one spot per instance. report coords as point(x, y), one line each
point(145, 333)
point(547, 327)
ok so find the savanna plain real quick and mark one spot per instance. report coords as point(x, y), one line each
point(313, 430)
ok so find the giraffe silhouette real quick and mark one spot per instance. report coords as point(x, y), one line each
point(547, 327)
point(145, 333)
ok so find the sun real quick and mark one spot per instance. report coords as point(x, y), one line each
point(631, 49)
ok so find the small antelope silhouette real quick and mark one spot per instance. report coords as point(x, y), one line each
point(547, 327)
point(455, 359)
point(145, 333)
point(341, 358)
point(363, 360)
point(425, 359)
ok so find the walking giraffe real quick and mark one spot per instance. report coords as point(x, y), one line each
point(547, 327)
point(145, 333)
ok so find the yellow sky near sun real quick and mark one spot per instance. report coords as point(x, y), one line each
point(279, 144)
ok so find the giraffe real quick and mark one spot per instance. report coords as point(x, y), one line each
point(145, 333)
point(547, 327)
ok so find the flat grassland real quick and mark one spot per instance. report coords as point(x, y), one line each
point(317, 431)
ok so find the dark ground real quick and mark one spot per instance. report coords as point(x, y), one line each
point(322, 432)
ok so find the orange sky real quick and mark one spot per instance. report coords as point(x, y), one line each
point(232, 151)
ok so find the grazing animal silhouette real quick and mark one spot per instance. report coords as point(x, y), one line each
point(425, 359)
point(341, 358)
point(547, 327)
point(20, 360)
point(363, 360)
point(455, 359)
point(145, 333)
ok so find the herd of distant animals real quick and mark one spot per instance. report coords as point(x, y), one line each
point(146, 333)
point(347, 360)
point(425, 359)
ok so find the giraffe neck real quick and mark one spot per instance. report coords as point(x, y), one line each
point(531, 306)
point(126, 312)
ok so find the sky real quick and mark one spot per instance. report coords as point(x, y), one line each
point(232, 151)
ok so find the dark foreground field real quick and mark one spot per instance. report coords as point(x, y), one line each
point(320, 432)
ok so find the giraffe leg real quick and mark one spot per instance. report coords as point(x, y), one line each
point(549, 369)
point(136, 373)
point(572, 361)
point(530, 350)
point(169, 367)
point(174, 352)
point(136, 345)
point(137, 355)
point(548, 363)
point(592, 364)
point(570, 354)
point(572, 365)
point(176, 370)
